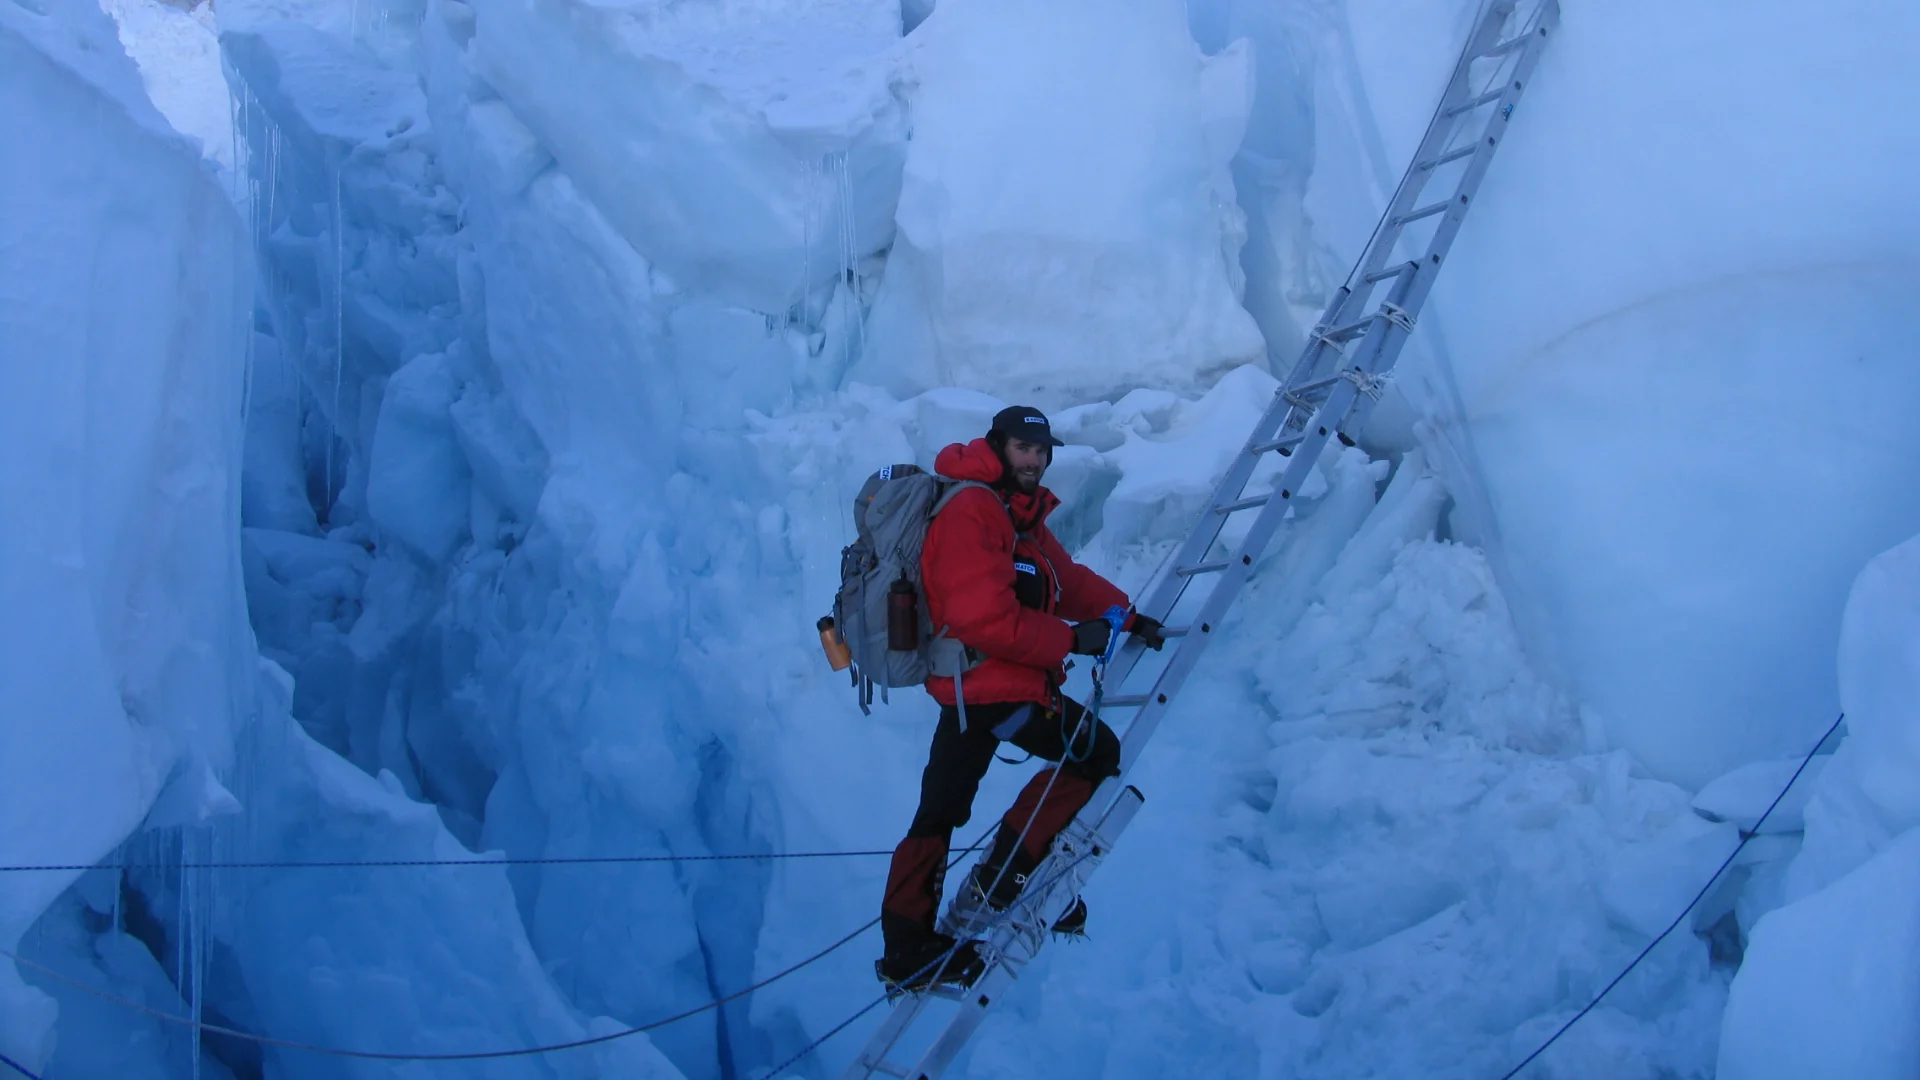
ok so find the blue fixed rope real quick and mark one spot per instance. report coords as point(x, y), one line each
point(17, 1067)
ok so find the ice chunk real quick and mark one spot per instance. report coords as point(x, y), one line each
point(1099, 251)
point(741, 146)
point(1177, 452)
point(1831, 983)
point(418, 480)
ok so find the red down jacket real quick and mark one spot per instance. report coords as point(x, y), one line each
point(968, 571)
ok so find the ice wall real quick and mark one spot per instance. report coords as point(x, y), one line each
point(123, 301)
point(1066, 225)
point(519, 389)
point(1664, 281)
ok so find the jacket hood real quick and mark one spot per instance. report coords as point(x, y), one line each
point(969, 461)
point(977, 461)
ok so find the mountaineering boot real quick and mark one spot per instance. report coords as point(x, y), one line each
point(935, 960)
point(1074, 922)
point(988, 885)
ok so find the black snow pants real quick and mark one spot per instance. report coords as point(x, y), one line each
point(955, 765)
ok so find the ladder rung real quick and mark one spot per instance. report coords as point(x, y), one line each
point(1393, 271)
point(1424, 212)
point(1509, 45)
point(884, 1066)
point(1202, 568)
point(1246, 504)
point(1279, 444)
point(1452, 155)
point(1474, 103)
point(1349, 331)
point(1126, 701)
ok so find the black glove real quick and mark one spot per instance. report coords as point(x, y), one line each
point(1090, 638)
point(1148, 631)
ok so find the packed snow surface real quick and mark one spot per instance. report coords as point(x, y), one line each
point(494, 520)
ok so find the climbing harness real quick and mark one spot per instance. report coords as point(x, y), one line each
point(1329, 393)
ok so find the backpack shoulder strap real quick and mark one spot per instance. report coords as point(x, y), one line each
point(950, 488)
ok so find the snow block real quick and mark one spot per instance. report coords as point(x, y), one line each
point(1100, 249)
point(1868, 794)
point(1831, 984)
point(740, 146)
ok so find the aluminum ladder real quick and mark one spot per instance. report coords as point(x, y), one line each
point(1329, 394)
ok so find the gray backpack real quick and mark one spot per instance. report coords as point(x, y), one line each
point(890, 518)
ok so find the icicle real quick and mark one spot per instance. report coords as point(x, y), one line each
point(806, 242)
point(854, 340)
point(191, 971)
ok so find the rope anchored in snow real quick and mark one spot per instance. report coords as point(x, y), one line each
point(1745, 835)
point(22, 1069)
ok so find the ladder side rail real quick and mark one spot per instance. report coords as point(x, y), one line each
point(873, 1056)
point(1516, 76)
point(1490, 138)
point(1354, 296)
point(1438, 135)
point(1206, 621)
point(1173, 586)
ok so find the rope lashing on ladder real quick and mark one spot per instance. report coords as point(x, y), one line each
point(1366, 383)
point(1397, 315)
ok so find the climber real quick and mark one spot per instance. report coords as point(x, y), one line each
point(999, 582)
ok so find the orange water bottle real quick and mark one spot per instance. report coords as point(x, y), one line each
point(838, 655)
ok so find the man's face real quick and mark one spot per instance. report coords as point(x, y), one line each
point(1027, 462)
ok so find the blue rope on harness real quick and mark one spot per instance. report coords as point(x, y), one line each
point(1116, 617)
